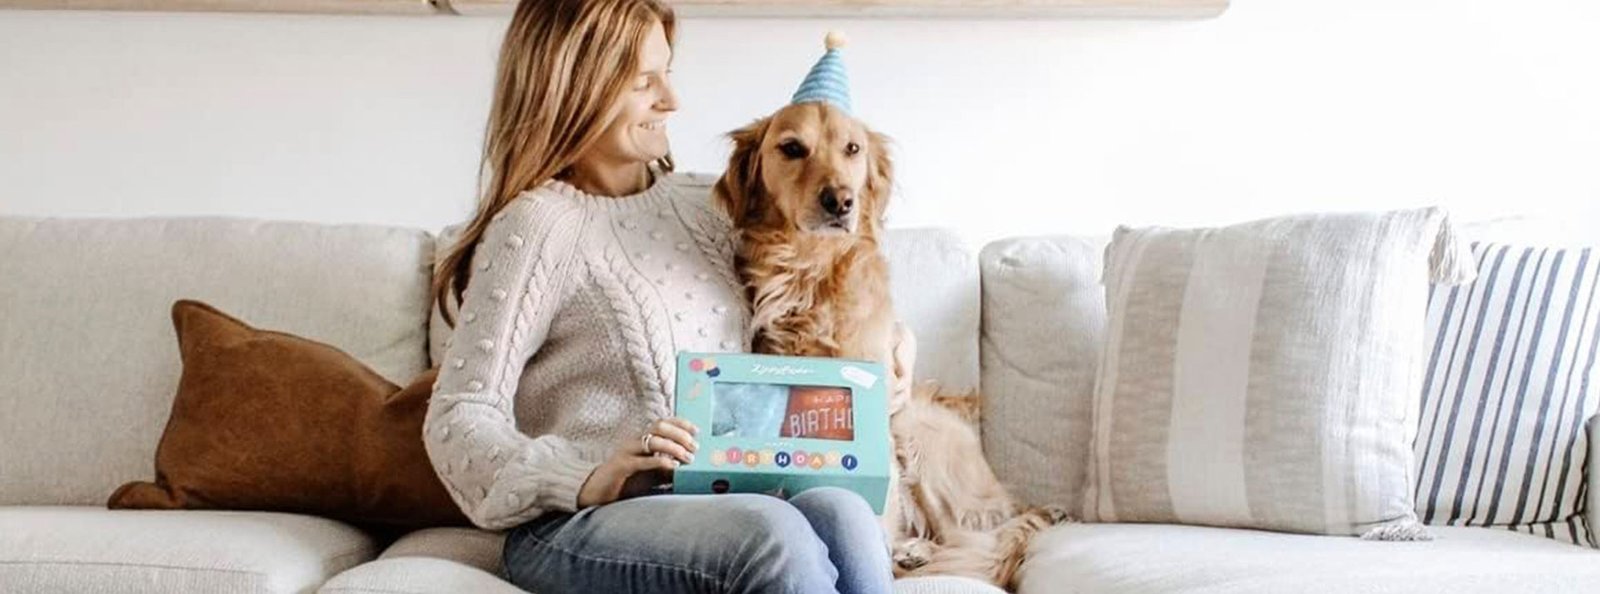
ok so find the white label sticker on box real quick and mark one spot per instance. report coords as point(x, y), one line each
point(858, 376)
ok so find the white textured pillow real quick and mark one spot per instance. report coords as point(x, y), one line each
point(1266, 375)
point(1044, 320)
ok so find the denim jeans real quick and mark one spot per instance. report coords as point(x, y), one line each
point(821, 540)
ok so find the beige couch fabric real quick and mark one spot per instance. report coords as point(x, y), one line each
point(88, 354)
point(1149, 558)
point(469, 546)
point(88, 550)
point(1044, 317)
point(417, 575)
point(1265, 374)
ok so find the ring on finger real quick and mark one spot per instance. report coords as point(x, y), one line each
point(645, 442)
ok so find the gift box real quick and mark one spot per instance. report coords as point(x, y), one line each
point(781, 425)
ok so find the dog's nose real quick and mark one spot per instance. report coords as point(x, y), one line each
point(838, 202)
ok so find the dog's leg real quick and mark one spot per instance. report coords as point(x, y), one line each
point(961, 553)
point(912, 553)
point(995, 556)
point(968, 406)
point(1014, 538)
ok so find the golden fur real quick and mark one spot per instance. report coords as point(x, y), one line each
point(816, 290)
point(807, 188)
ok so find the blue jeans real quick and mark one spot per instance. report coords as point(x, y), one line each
point(821, 540)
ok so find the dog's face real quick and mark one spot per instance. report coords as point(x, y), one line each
point(809, 168)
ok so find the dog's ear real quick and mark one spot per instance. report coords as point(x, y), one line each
point(740, 191)
point(880, 177)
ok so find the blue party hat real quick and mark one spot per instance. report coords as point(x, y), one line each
point(827, 81)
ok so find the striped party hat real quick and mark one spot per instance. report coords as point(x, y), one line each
point(827, 81)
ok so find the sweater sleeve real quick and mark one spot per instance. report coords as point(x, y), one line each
point(497, 475)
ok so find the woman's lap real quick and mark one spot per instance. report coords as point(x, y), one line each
point(704, 543)
point(854, 536)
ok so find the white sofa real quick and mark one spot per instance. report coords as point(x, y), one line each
point(89, 365)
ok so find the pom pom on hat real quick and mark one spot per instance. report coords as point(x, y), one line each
point(834, 40)
point(827, 81)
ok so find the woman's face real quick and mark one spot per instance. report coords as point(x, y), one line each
point(639, 132)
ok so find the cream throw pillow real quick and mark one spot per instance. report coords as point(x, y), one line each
point(1267, 375)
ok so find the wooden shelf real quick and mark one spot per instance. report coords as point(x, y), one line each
point(417, 7)
point(1179, 9)
point(1152, 9)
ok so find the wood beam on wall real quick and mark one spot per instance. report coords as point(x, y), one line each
point(688, 8)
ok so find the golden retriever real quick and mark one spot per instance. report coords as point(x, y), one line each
point(806, 188)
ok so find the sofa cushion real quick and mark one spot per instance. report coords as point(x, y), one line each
point(1506, 392)
point(482, 549)
point(1044, 316)
point(1263, 374)
point(417, 575)
point(433, 560)
point(1152, 558)
point(466, 559)
point(427, 575)
point(86, 549)
point(88, 357)
point(943, 584)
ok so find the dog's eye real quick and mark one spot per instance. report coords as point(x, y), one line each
point(852, 148)
point(793, 149)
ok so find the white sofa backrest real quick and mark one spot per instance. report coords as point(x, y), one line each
point(1043, 322)
point(87, 350)
point(934, 280)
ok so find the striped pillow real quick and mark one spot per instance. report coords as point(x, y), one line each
point(1263, 375)
point(1507, 390)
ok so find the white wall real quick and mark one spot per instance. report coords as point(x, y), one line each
point(1003, 127)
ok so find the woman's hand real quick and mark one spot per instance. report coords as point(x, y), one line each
point(640, 463)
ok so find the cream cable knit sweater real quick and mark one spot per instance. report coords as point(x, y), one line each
point(566, 340)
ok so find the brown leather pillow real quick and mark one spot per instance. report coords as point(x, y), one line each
point(270, 421)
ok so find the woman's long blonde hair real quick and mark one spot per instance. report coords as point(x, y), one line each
point(564, 65)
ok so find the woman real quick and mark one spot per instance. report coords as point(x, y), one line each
point(586, 269)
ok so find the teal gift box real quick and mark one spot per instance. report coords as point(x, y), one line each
point(781, 425)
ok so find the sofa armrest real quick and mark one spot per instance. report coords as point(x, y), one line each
point(1594, 480)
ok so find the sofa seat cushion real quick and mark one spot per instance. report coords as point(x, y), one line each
point(89, 549)
point(1148, 558)
point(430, 575)
point(482, 549)
point(417, 575)
point(434, 560)
point(942, 584)
point(441, 560)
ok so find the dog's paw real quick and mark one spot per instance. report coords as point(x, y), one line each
point(1056, 514)
point(912, 553)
